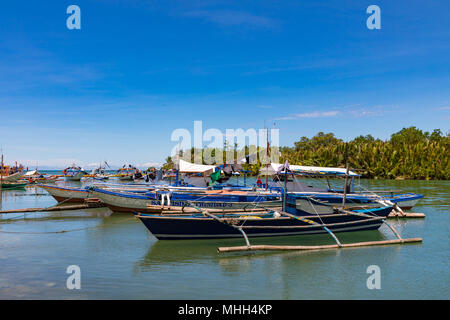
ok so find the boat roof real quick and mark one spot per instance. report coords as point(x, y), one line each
point(188, 167)
point(308, 170)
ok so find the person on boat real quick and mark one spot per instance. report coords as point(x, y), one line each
point(259, 182)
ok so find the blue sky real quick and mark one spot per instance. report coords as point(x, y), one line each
point(137, 70)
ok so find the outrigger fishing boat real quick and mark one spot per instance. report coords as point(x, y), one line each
point(64, 194)
point(36, 177)
point(73, 173)
point(128, 172)
point(13, 177)
point(300, 194)
point(12, 185)
point(99, 173)
point(73, 194)
point(199, 226)
point(205, 225)
point(10, 175)
point(310, 206)
point(122, 201)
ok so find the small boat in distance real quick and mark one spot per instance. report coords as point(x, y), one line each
point(35, 176)
point(128, 172)
point(73, 173)
point(99, 173)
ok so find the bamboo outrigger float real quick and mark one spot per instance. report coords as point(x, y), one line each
point(88, 204)
point(323, 247)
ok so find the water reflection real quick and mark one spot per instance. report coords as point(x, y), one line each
point(199, 251)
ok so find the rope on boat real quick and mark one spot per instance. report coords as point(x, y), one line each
point(370, 216)
point(239, 228)
point(315, 223)
point(384, 201)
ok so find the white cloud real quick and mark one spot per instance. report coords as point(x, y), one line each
point(365, 113)
point(315, 114)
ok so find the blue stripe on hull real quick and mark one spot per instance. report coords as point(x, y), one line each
point(354, 199)
point(197, 228)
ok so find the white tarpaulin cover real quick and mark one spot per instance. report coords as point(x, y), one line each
point(188, 167)
point(273, 168)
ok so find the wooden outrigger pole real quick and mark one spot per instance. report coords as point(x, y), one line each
point(323, 247)
point(345, 187)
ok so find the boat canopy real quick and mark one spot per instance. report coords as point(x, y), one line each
point(188, 167)
point(308, 170)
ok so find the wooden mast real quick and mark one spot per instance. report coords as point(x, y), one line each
point(346, 174)
point(267, 154)
point(345, 187)
point(1, 173)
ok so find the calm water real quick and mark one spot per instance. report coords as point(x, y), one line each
point(120, 259)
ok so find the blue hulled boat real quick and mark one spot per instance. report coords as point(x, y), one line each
point(313, 204)
point(299, 193)
point(121, 201)
point(266, 225)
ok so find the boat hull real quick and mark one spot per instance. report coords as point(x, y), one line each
point(305, 206)
point(75, 177)
point(181, 228)
point(353, 201)
point(13, 177)
point(72, 195)
point(126, 178)
point(128, 202)
point(12, 185)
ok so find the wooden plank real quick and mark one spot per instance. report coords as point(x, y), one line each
point(406, 215)
point(322, 247)
point(174, 209)
point(55, 208)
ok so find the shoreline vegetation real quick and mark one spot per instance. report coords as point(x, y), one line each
point(409, 154)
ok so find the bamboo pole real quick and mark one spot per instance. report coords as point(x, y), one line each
point(55, 208)
point(186, 209)
point(345, 187)
point(239, 228)
point(1, 173)
point(315, 224)
point(322, 247)
point(406, 215)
